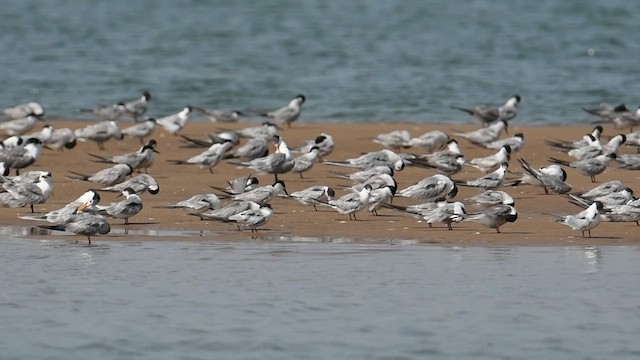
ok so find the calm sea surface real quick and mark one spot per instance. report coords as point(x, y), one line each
point(306, 300)
point(366, 60)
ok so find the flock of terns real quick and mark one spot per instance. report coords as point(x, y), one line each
point(372, 174)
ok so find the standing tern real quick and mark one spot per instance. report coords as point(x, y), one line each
point(313, 194)
point(584, 220)
point(140, 184)
point(251, 219)
point(430, 141)
point(486, 134)
point(196, 204)
point(86, 202)
point(22, 156)
point(494, 216)
point(279, 162)
point(491, 197)
point(212, 139)
point(107, 112)
point(100, 132)
point(363, 175)
point(252, 149)
point(515, 142)
point(61, 138)
point(588, 167)
point(379, 198)
point(224, 213)
point(106, 177)
point(352, 203)
point(138, 107)
point(305, 161)
point(551, 177)
point(490, 163)
point(603, 189)
point(175, 122)
point(262, 194)
point(491, 114)
point(141, 159)
point(372, 159)
point(130, 206)
point(208, 158)
point(431, 188)
point(629, 161)
point(323, 141)
point(490, 181)
point(574, 144)
point(287, 114)
point(23, 110)
point(83, 223)
point(20, 126)
point(396, 139)
point(239, 185)
point(219, 115)
point(446, 213)
point(31, 193)
point(140, 130)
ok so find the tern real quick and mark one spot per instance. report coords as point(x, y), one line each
point(208, 158)
point(22, 156)
point(313, 194)
point(588, 167)
point(83, 223)
point(219, 115)
point(175, 122)
point(140, 184)
point(486, 134)
point(279, 162)
point(20, 126)
point(551, 177)
point(23, 110)
point(196, 204)
point(141, 159)
point(306, 161)
point(372, 159)
point(252, 218)
point(583, 221)
point(107, 112)
point(262, 194)
point(352, 203)
point(86, 202)
point(287, 114)
point(494, 216)
point(140, 130)
point(490, 181)
point(106, 177)
point(224, 213)
point(31, 193)
point(491, 114)
point(431, 188)
point(138, 107)
point(130, 206)
point(100, 132)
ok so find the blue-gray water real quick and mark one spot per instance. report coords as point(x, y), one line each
point(366, 60)
point(291, 300)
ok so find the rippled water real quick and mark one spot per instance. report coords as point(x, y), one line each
point(355, 60)
point(275, 300)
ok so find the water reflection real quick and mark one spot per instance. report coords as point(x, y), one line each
point(590, 258)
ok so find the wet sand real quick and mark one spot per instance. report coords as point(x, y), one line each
point(294, 221)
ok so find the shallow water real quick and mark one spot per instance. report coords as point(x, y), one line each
point(356, 61)
point(287, 300)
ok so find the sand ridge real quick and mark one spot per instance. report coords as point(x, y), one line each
point(294, 220)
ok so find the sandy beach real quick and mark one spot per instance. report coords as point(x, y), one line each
point(293, 221)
